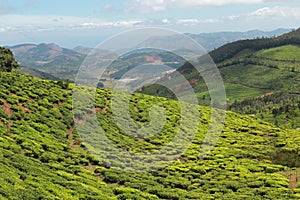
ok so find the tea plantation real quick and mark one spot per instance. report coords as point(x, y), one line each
point(42, 156)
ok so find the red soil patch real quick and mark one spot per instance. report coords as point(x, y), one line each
point(73, 143)
point(194, 81)
point(293, 181)
point(96, 110)
point(70, 132)
point(71, 137)
point(90, 167)
point(292, 176)
point(56, 105)
point(22, 107)
point(150, 58)
point(7, 108)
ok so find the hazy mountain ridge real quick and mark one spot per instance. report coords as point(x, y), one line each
point(210, 41)
point(49, 58)
point(63, 63)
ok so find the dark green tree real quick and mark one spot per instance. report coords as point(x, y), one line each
point(7, 60)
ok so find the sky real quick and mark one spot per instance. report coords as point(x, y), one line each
point(72, 23)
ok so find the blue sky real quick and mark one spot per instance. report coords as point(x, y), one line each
point(71, 23)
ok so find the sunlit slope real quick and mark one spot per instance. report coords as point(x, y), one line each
point(268, 65)
point(261, 78)
point(270, 70)
point(40, 157)
point(43, 157)
point(251, 67)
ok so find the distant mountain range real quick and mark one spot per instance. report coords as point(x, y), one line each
point(210, 41)
point(61, 63)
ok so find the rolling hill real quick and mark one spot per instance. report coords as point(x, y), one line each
point(63, 63)
point(49, 58)
point(250, 68)
point(53, 62)
point(44, 156)
point(37, 73)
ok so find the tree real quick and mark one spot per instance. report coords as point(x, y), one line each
point(7, 60)
point(100, 85)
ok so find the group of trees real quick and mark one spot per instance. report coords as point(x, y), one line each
point(7, 60)
point(281, 108)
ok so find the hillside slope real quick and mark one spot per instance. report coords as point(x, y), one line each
point(232, 49)
point(49, 58)
point(43, 157)
point(249, 68)
point(54, 62)
point(40, 157)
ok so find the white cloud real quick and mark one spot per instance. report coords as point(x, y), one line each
point(5, 29)
point(90, 25)
point(115, 24)
point(193, 22)
point(165, 21)
point(147, 6)
point(210, 20)
point(126, 23)
point(276, 12)
point(232, 17)
point(30, 23)
point(188, 21)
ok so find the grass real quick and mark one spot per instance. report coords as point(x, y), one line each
point(237, 92)
point(284, 53)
